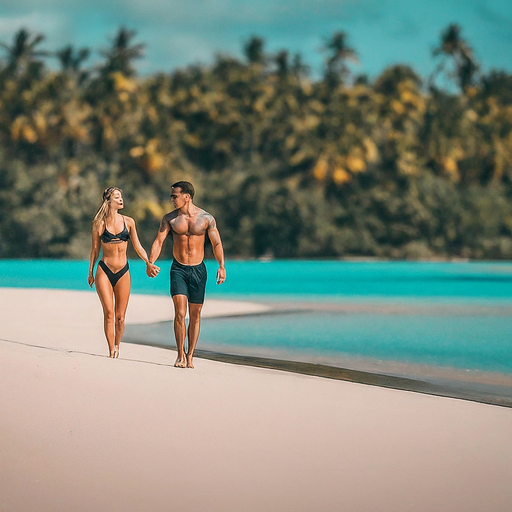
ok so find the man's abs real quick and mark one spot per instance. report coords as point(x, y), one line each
point(188, 249)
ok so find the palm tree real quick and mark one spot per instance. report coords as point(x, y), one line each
point(300, 69)
point(71, 60)
point(253, 50)
point(120, 56)
point(339, 53)
point(23, 55)
point(282, 62)
point(453, 47)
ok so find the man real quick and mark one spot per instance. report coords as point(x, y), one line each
point(188, 225)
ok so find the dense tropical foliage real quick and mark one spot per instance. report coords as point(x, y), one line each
point(291, 166)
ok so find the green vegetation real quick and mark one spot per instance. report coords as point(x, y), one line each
point(291, 166)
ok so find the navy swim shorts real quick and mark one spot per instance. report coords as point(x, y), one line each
point(189, 280)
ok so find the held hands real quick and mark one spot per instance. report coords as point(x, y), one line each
point(221, 275)
point(152, 270)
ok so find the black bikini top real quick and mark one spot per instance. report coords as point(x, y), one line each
point(108, 238)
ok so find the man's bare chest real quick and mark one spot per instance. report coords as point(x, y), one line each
point(188, 227)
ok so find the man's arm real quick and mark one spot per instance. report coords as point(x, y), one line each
point(218, 251)
point(134, 237)
point(156, 248)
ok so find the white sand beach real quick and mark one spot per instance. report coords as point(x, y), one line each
point(82, 432)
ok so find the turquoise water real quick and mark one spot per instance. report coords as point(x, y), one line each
point(470, 329)
point(482, 281)
point(469, 342)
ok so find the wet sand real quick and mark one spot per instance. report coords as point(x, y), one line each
point(79, 431)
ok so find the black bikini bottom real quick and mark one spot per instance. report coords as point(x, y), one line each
point(113, 277)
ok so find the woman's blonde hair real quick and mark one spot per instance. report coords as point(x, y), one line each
point(101, 214)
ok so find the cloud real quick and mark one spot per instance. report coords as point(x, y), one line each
point(38, 23)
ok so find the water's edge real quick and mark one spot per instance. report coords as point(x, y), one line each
point(467, 390)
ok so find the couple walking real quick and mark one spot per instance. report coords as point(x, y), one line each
point(188, 225)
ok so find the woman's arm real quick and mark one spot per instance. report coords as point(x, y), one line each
point(95, 252)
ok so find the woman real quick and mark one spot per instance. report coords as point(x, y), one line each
point(112, 275)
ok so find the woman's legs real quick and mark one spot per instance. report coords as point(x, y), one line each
point(104, 290)
point(122, 295)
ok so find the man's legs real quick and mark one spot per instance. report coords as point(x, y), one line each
point(194, 325)
point(180, 330)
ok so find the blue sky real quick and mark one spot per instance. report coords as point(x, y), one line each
point(182, 32)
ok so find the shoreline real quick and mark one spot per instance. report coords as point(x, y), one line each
point(481, 387)
point(446, 388)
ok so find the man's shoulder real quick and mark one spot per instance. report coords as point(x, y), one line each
point(205, 213)
point(165, 223)
point(170, 216)
point(210, 220)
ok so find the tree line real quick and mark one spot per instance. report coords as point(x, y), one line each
point(291, 165)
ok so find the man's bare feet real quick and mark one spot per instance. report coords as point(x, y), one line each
point(189, 361)
point(180, 363)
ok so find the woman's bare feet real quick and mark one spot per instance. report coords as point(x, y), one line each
point(112, 354)
point(180, 363)
point(116, 351)
point(189, 361)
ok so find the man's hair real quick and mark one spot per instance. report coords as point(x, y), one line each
point(186, 187)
